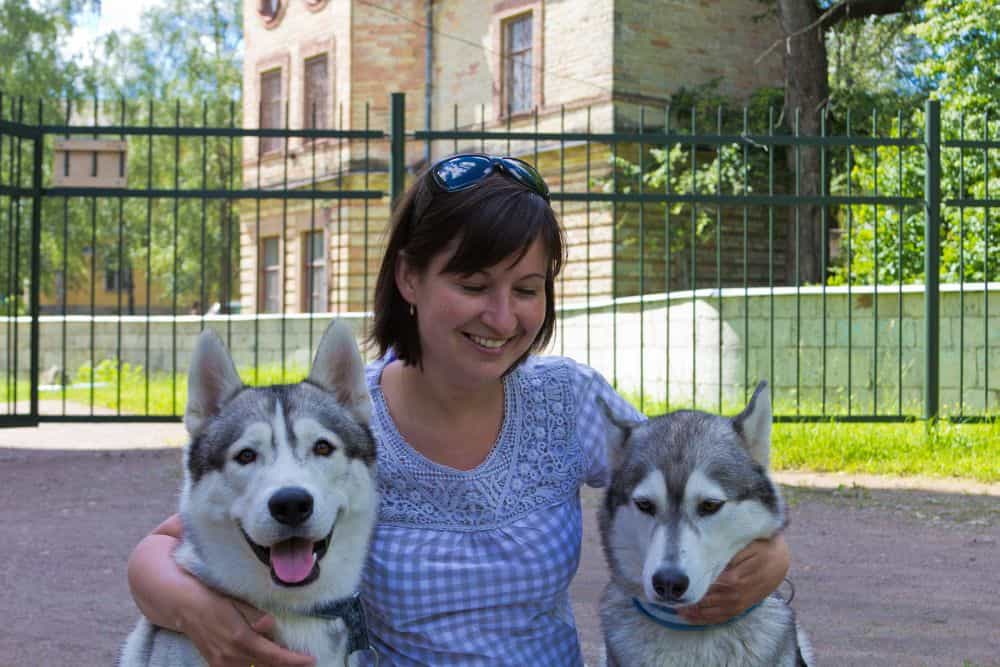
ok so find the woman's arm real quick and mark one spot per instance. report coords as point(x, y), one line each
point(225, 632)
point(751, 576)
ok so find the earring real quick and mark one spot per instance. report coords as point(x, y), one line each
point(413, 310)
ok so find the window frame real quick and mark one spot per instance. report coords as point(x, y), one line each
point(510, 11)
point(263, 271)
point(309, 265)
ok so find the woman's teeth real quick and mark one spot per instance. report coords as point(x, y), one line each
point(492, 343)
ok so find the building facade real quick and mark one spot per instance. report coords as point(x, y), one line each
point(545, 65)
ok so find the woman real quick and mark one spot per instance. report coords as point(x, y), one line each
point(483, 448)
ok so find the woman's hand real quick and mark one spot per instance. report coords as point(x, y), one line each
point(752, 575)
point(237, 635)
point(226, 632)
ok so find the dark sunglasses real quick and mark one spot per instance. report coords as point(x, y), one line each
point(460, 172)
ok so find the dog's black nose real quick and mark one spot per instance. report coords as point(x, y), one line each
point(291, 505)
point(670, 583)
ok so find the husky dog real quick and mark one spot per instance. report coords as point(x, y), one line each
point(688, 491)
point(278, 501)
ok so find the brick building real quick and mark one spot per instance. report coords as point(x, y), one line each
point(554, 65)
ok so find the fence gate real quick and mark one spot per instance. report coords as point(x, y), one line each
point(20, 225)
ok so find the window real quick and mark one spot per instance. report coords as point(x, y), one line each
point(270, 269)
point(269, 9)
point(313, 273)
point(270, 108)
point(115, 280)
point(317, 93)
point(517, 40)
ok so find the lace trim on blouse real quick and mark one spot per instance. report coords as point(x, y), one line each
point(533, 463)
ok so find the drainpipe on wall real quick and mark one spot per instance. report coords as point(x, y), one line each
point(428, 75)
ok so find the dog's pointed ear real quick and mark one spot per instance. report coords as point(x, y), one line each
point(754, 425)
point(340, 370)
point(618, 434)
point(212, 380)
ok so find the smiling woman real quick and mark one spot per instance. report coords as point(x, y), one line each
point(482, 444)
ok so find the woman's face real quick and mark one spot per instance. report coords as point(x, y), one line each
point(474, 327)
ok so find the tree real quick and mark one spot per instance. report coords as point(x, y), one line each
point(807, 93)
point(183, 67)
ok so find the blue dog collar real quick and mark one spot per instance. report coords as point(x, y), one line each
point(668, 617)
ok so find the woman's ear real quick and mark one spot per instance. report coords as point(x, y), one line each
point(406, 278)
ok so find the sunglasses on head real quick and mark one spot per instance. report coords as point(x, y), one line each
point(460, 172)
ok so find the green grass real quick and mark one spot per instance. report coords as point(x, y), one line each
point(903, 449)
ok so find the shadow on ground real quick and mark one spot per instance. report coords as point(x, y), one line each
point(882, 577)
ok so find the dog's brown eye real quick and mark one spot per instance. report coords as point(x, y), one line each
point(645, 506)
point(709, 507)
point(245, 457)
point(323, 448)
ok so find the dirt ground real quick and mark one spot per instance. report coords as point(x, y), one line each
point(883, 576)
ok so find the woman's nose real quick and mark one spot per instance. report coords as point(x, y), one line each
point(499, 314)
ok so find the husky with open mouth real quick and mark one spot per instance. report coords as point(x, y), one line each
point(688, 491)
point(278, 501)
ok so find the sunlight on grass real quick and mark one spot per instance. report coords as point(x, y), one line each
point(943, 450)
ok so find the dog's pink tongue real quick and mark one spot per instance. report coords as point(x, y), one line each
point(292, 559)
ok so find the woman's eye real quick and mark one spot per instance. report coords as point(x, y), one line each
point(645, 506)
point(323, 448)
point(527, 291)
point(709, 507)
point(245, 457)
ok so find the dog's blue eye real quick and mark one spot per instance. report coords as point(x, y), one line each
point(709, 507)
point(245, 457)
point(323, 448)
point(645, 506)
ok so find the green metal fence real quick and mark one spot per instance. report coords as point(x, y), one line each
point(693, 266)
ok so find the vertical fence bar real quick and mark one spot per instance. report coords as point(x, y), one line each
point(932, 257)
point(798, 265)
point(746, 256)
point(397, 143)
point(694, 262)
point(667, 267)
point(824, 250)
point(642, 265)
point(986, 264)
point(899, 269)
point(961, 270)
point(36, 260)
point(718, 251)
point(850, 259)
point(876, 282)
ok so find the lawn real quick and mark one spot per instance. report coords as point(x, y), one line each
point(942, 450)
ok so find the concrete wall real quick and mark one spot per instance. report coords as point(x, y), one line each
point(636, 356)
point(681, 340)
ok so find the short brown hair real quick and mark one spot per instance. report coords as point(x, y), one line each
point(497, 218)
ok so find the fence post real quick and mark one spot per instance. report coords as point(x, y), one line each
point(36, 260)
point(397, 140)
point(932, 258)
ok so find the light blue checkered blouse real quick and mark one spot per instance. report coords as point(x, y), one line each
point(473, 567)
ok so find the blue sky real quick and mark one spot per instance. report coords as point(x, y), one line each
point(115, 15)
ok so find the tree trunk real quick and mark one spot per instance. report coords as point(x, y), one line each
point(806, 93)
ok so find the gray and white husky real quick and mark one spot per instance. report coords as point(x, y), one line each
point(278, 501)
point(688, 491)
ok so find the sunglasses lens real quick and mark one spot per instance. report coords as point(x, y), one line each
point(462, 171)
point(527, 175)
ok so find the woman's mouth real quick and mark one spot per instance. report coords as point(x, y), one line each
point(488, 343)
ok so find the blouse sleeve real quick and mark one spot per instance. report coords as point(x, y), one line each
point(594, 429)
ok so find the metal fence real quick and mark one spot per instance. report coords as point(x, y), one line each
point(690, 273)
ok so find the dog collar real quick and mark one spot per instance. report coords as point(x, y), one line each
point(352, 612)
point(668, 617)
